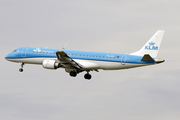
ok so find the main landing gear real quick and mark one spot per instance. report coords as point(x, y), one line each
point(86, 76)
point(21, 68)
point(73, 74)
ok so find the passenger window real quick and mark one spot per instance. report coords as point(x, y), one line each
point(15, 50)
point(36, 52)
point(33, 51)
point(83, 55)
point(86, 55)
point(99, 56)
point(53, 53)
point(79, 55)
point(47, 53)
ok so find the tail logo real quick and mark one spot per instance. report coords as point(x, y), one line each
point(151, 43)
point(151, 46)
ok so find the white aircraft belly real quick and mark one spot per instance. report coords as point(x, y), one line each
point(31, 60)
point(106, 65)
point(87, 64)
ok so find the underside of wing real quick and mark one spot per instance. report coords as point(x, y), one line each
point(66, 61)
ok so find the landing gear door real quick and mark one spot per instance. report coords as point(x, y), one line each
point(123, 59)
point(23, 53)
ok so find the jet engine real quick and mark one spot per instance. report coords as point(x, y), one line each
point(51, 64)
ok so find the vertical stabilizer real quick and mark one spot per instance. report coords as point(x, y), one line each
point(152, 46)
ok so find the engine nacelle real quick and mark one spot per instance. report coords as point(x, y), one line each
point(51, 64)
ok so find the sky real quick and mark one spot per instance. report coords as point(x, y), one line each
point(117, 26)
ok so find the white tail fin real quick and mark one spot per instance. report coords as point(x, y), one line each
point(152, 46)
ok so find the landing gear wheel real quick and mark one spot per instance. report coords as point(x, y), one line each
point(87, 76)
point(20, 70)
point(73, 74)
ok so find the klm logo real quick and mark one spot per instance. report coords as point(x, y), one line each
point(151, 46)
point(37, 50)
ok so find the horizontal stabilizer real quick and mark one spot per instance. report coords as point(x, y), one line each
point(147, 57)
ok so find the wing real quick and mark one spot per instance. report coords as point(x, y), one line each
point(66, 61)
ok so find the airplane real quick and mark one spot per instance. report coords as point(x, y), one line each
point(75, 62)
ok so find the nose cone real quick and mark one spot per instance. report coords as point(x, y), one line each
point(7, 57)
point(10, 56)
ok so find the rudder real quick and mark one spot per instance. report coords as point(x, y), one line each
point(152, 46)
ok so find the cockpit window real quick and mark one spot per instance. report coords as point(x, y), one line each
point(15, 50)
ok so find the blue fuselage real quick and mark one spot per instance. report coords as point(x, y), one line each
point(29, 52)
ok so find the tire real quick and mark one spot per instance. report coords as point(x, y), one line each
point(20, 70)
point(87, 76)
point(73, 74)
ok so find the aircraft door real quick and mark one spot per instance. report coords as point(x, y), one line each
point(23, 52)
point(123, 59)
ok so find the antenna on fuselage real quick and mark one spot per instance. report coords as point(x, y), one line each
point(64, 47)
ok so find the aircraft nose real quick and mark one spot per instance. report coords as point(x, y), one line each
point(7, 56)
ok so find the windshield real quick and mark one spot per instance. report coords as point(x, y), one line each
point(15, 50)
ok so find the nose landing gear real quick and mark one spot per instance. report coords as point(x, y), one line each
point(21, 68)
